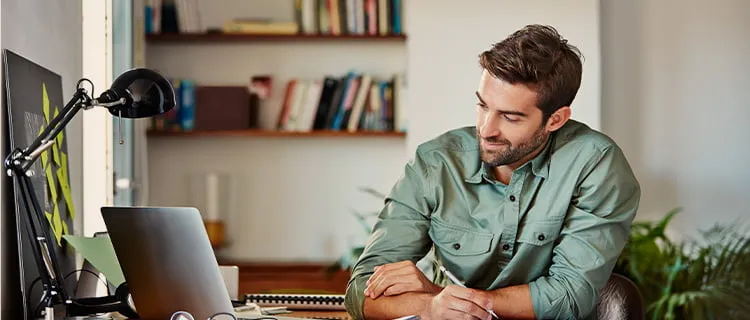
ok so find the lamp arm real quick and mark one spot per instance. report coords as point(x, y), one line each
point(45, 259)
point(17, 164)
point(23, 159)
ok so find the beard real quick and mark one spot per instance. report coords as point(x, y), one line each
point(512, 153)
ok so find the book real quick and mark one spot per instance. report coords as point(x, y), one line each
point(349, 17)
point(249, 26)
point(298, 301)
point(354, 101)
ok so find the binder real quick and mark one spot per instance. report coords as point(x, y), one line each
point(298, 301)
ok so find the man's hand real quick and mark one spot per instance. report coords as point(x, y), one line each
point(456, 302)
point(397, 278)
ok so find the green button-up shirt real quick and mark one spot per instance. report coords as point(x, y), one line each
point(559, 225)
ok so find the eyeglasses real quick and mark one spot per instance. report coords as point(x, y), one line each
point(184, 315)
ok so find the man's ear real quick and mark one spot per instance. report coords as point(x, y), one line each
point(558, 119)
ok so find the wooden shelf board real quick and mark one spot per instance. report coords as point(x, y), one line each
point(238, 37)
point(275, 133)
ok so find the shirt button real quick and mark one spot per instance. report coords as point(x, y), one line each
point(506, 247)
point(512, 198)
point(456, 246)
point(541, 237)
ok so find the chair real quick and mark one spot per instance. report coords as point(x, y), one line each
point(620, 299)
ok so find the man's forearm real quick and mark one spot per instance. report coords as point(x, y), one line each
point(513, 302)
point(391, 307)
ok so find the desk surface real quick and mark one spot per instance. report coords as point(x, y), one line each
point(342, 315)
point(332, 315)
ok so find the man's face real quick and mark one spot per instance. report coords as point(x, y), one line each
point(509, 124)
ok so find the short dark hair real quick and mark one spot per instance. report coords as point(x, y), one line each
point(539, 57)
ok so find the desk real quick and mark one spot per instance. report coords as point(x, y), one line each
point(318, 314)
point(300, 277)
point(334, 315)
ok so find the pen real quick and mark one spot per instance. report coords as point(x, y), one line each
point(459, 283)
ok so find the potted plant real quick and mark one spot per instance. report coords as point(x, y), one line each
point(704, 278)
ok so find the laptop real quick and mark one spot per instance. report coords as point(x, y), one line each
point(168, 262)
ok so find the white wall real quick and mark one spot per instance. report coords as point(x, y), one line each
point(290, 198)
point(446, 38)
point(675, 97)
point(49, 33)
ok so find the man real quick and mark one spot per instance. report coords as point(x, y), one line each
point(530, 209)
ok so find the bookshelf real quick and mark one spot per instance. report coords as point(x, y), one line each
point(299, 181)
point(276, 133)
point(209, 37)
point(330, 79)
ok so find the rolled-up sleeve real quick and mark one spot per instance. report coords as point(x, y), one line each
point(595, 231)
point(400, 233)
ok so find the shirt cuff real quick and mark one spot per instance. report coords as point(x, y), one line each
point(355, 297)
point(550, 302)
point(539, 300)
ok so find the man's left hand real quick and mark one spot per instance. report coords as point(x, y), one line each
point(397, 278)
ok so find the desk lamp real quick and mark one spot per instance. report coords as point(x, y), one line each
point(137, 93)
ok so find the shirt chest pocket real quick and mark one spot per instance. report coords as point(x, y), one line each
point(539, 233)
point(459, 241)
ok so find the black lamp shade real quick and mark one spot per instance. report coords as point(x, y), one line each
point(147, 93)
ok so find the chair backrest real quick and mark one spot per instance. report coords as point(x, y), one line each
point(620, 300)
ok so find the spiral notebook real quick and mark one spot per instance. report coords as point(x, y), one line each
point(298, 301)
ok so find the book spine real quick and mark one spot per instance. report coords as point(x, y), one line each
point(148, 17)
point(396, 11)
point(187, 107)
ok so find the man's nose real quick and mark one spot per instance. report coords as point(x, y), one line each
point(491, 127)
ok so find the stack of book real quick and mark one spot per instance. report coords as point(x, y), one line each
point(328, 17)
point(172, 16)
point(182, 116)
point(358, 17)
point(260, 26)
point(352, 102)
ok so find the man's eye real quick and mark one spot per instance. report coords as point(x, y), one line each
point(511, 118)
point(483, 106)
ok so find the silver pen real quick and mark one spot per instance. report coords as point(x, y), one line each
point(459, 283)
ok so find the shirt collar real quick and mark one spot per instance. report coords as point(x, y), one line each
point(480, 175)
point(539, 165)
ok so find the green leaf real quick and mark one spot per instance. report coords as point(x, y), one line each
point(706, 278)
point(662, 225)
point(348, 261)
point(362, 219)
point(656, 308)
point(372, 192)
